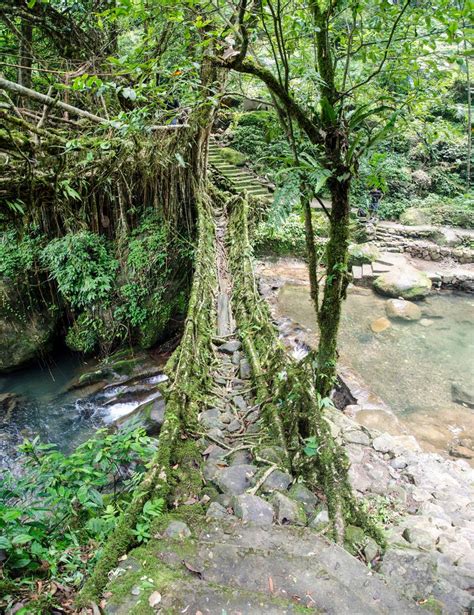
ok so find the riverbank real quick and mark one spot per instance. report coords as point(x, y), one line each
point(423, 498)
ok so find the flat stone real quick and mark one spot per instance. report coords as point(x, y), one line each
point(216, 511)
point(241, 457)
point(252, 417)
point(236, 358)
point(211, 418)
point(288, 511)
point(301, 493)
point(227, 417)
point(356, 436)
point(233, 426)
point(211, 468)
point(230, 347)
point(277, 481)
point(178, 530)
point(380, 324)
point(240, 402)
point(405, 282)
point(253, 509)
point(215, 452)
point(245, 369)
point(236, 479)
point(383, 443)
point(273, 454)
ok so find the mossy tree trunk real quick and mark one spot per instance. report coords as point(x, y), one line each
point(329, 315)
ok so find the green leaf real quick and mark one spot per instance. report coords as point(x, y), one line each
point(328, 110)
point(5, 543)
point(22, 539)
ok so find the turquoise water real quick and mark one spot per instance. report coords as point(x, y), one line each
point(411, 366)
point(44, 408)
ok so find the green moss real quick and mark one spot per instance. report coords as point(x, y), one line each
point(432, 605)
point(232, 156)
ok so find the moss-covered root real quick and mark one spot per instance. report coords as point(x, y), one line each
point(188, 370)
point(294, 413)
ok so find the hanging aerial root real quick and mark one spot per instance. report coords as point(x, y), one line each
point(295, 414)
point(188, 371)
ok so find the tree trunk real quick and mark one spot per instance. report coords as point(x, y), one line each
point(335, 286)
point(25, 55)
point(310, 247)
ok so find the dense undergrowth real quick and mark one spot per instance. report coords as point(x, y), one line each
point(105, 263)
point(56, 514)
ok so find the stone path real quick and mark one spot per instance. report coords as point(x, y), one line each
point(240, 177)
point(260, 549)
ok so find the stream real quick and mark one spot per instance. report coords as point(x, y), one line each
point(410, 366)
point(46, 400)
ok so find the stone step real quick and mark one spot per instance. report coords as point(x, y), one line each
point(367, 271)
point(357, 272)
point(239, 568)
point(380, 267)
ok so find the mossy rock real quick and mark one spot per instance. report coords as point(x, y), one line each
point(415, 217)
point(363, 254)
point(232, 156)
point(406, 282)
point(26, 332)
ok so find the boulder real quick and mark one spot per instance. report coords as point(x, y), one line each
point(150, 414)
point(406, 282)
point(235, 479)
point(461, 394)
point(302, 494)
point(277, 481)
point(177, 530)
point(399, 309)
point(363, 253)
point(447, 237)
point(25, 332)
point(415, 217)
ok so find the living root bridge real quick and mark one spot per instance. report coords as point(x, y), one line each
point(188, 370)
point(290, 404)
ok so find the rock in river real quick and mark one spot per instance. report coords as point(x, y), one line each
point(461, 394)
point(399, 309)
point(406, 282)
point(380, 324)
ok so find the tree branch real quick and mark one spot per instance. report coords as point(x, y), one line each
point(11, 86)
point(385, 55)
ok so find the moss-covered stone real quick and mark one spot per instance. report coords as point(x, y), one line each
point(232, 156)
point(363, 253)
point(406, 282)
point(26, 330)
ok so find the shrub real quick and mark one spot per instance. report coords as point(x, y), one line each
point(56, 515)
point(287, 238)
point(82, 268)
